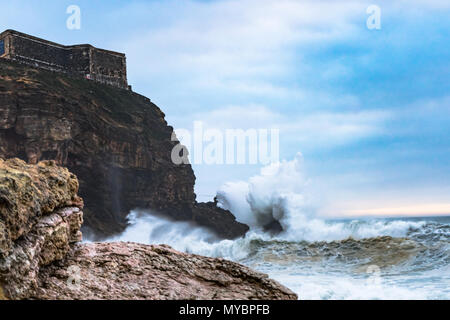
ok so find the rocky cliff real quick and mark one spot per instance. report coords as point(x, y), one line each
point(40, 220)
point(116, 142)
point(40, 215)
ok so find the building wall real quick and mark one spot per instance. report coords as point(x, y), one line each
point(78, 60)
point(108, 68)
point(38, 53)
point(81, 60)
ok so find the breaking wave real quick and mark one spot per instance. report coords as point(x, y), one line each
point(279, 196)
point(412, 266)
point(317, 258)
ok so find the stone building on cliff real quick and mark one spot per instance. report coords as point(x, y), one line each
point(84, 60)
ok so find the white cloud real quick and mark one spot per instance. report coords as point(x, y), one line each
point(324, 129)
point(237, 42)
point(227, 40)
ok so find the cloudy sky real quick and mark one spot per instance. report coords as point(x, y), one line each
point(368, 109)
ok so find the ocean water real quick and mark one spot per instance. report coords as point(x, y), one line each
point(318, 258)
point(407, 259)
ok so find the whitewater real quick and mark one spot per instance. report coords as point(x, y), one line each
point(396, 258)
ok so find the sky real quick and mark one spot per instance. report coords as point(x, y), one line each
point(369, 109)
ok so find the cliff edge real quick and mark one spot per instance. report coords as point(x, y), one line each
point(116, 142)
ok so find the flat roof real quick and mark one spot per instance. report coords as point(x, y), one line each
point(24, 35)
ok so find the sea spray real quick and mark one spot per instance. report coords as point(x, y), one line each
point(315, 257)
point(150, 228)
point(280, 193)
point(273, 195)
point(325, 269)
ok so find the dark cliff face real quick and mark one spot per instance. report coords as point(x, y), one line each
point(115, 141)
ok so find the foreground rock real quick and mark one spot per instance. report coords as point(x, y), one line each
point(39, 217)
point(40, 221)
point(116, 142)
point(136, 271)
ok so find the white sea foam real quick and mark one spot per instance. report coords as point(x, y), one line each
point(280, 193)
point(346, 287)
point(323, 282)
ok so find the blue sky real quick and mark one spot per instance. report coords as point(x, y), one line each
point(368, 109)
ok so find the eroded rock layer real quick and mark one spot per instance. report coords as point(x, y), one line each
point(136, 271)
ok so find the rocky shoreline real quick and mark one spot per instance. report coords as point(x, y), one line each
point(41, 257)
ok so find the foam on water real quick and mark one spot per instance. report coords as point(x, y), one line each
point(307, 256)
point(330, 271)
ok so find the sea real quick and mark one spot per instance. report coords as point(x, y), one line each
point(314, 256)
point(395, 258)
